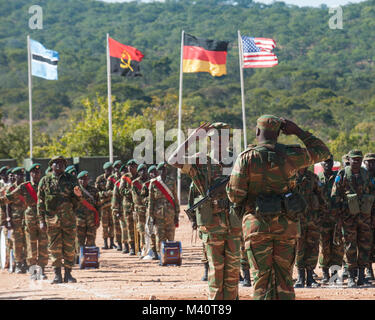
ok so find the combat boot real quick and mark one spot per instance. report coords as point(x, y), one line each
point(105, 247)
point(155, 255)
point(300, 283)
point(246, 278)
point(119, 246)
point(351, 278)
point(19, 268)
point(132, 250)
point(68, 276)
point(326, 277)
point(112, 244)
point(58, 277)
point(240, 278)
point(369, 274)
point(310, 281)
point(205, 274)
point(126, 248)
point(361, 277)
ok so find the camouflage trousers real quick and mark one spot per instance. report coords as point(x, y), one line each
point(140, 216)
point(164, 229)
point(331, 254)
point(308, 245)
point(271, 249)
point(117, 229)
point(61, 232)
point(36, 241)
point(107, 222)
point(19, 240)
point(223, 254)
point(124, 229)
point(357, 239)
point(86, 231)
point(129, 224)
point(244, 260)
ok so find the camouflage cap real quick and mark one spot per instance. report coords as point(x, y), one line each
point(82, 174)
point(70, 169)
point(368, 156)
point(142, 166)
point(161, 165)
point(355, 154)
point(131, 162)
point(218, 126)
point(153, 167)
point(17, 170)
point(117, 162)
point(57, 158)
point(107, 165)
point(4, 169)
point(34, 166)
point(269, 122)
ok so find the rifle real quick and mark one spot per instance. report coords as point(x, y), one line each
point(212, 191)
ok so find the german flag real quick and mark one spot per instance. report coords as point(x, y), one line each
point(202, 55)
point(124, 59)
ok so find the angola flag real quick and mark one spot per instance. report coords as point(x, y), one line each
point(202, 55)
point(124, 59)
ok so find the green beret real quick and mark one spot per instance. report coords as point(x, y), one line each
point(34, 166)
point(48, 170)
point(218, 126)
point(123, 168)
point(54, 159)
point(9, 170)
point(131, 162)
point(117, 162)
point(269, 122)
point(161, 165)
point(142, 166)
point(368, 156)
point(153, 167)
point(82, 174)
point(107, 165)
point(70, 169)
point(5, 168)
point(355, 154)
point(18, 170)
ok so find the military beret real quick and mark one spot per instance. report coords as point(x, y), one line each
point(131, 162)
point(70, 169)
point(142, 166)
point(57, 158)
point(117, 162)
point(18, 170)
point(82, 174)
point(355, 154)
point(153, 167)
point(9, 170)
point(107, 165)
point(34, 166)
point(269, 122)
point(161, 165)
point(5, 168)
point(123, 168)
point(218, 126)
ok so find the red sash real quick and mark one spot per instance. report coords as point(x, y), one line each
point(138, 185)
point(31, 191)
point(165, 193)
point(90, 207)
point(117, 183)
point(127, 179)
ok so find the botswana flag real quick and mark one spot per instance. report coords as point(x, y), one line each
point(202, 55)
point(43, 61)
point(124, 59)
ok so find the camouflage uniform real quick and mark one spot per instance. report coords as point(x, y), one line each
point(262, 176)
point(145, 194)
point(118, 212)
point(56, 207)
point(105, 206)
point(111, 182)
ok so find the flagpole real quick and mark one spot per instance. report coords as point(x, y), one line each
point(109, 102)
point(180, 114)
point(240, 54)
point(30, 97)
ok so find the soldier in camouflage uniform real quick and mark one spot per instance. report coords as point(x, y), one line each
point(87, 216)
point(332, 250)
point(36, 239)
point(105, 204)
point(369, 161)
point(309, 186)
point(261, 189)
point(220, 227)
point(352, 194)
point(58, 196)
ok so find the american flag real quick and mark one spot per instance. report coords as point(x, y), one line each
point(257, 52)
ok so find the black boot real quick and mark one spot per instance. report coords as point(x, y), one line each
point(300, 283)
point(126, 248)
point(351, 278)
point(369, 274)
point(205, 274)
point(310, 281)
point(105, 247)
point(326, 277)
point(155, 255)
point(119, 246)
point(19, 268)
point(361, 277)
point(132, 249)
point(112, 244)
point(68, 276)
point(246, 278)
point(58, 277)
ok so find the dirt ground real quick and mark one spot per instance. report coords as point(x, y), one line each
point(122, 277)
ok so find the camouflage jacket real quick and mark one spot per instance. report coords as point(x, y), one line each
point(15, 200)
point(116, 203)
point(309, 186)
point(138, 194)
point(56, 195)
point(271, 169)
point(101, 186)
point(112, 179)
point(92, 198)
point(327, 185)
point(125, 191)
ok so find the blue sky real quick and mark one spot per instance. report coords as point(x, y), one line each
point(314, 3)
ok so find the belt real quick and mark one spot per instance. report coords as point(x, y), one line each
point(224, 203)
